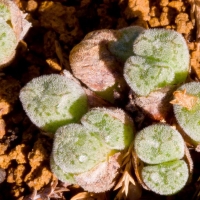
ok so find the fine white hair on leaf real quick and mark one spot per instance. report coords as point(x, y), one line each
point(53, 100)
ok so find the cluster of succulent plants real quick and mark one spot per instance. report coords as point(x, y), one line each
point(84, 140)
point(89, 143)
point(161, 148)
point(13, 27)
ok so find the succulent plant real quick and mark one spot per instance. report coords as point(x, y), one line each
point(187, 109)
point(161, 58)
point(13, 27)
point(90, 151)
point(51, 101)
point(161, 148)
point(95, 60)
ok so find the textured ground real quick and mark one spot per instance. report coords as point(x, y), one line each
point(57, 27)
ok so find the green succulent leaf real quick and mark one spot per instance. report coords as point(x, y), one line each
point(114, 125)
point(51, 101)
point(166, 178)
point(189, 119)
point(122, 49)
point(8, 42)
point(58, 172)
point(161, 59)
point(159, 143)
point(77, 150)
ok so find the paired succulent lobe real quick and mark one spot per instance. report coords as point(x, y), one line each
point(162, 149)
point(161, 59)
point(84, 150)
